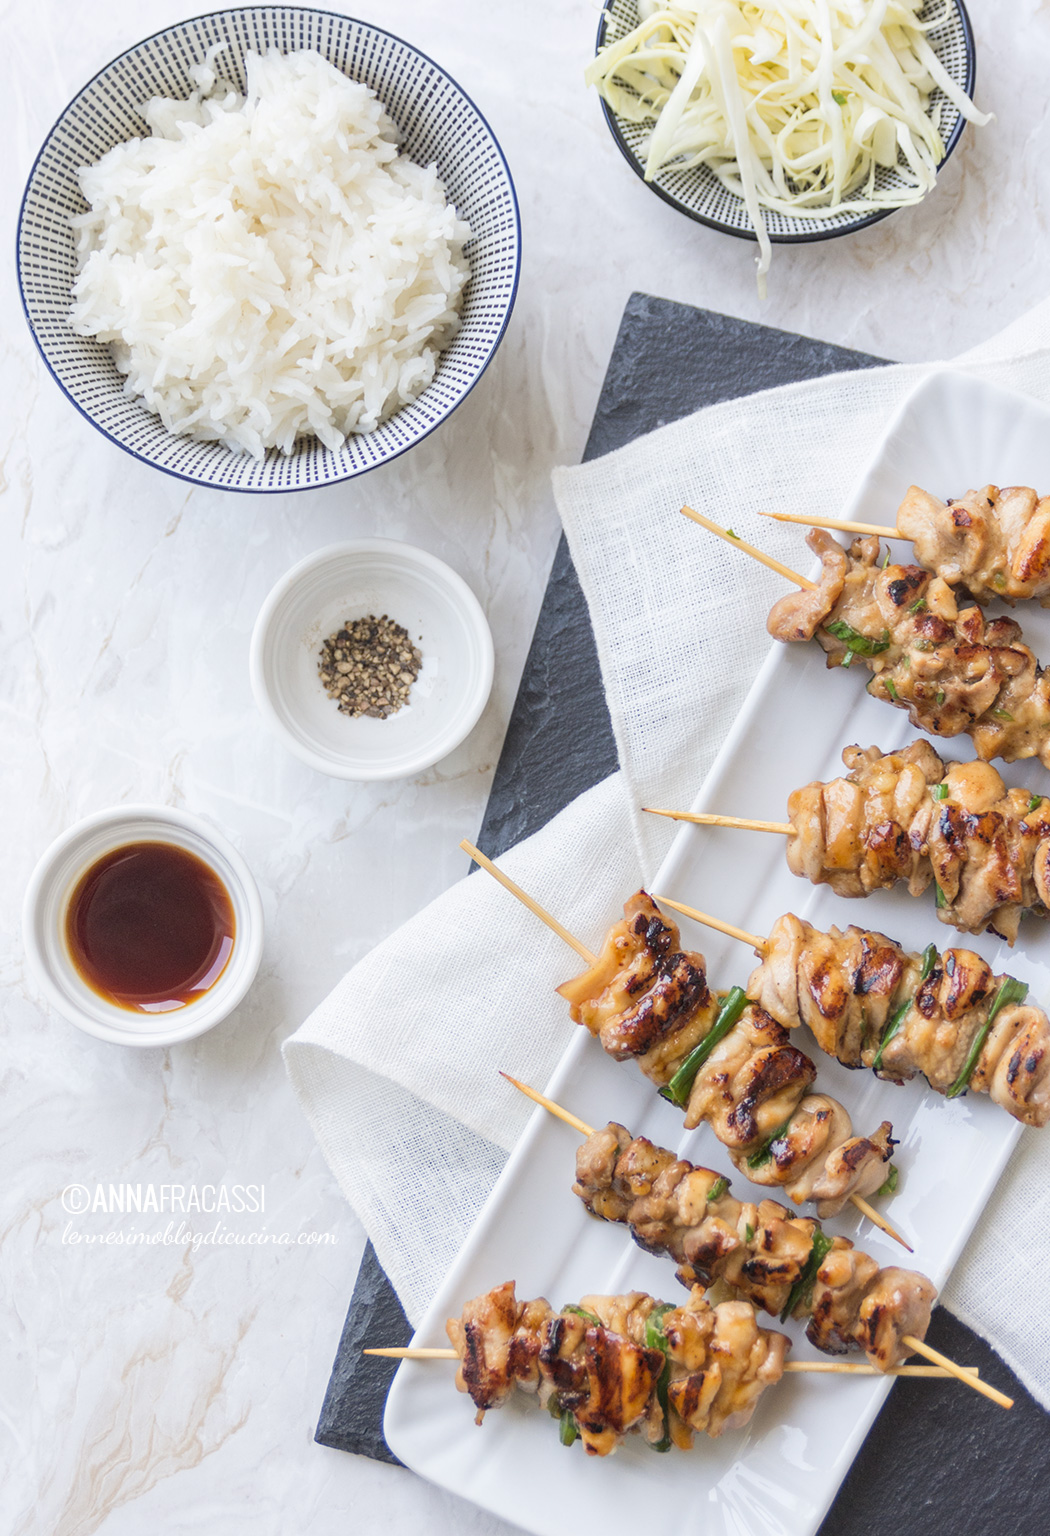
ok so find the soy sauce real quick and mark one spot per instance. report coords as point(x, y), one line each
point(150, 927)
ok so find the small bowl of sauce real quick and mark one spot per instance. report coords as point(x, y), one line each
point(144, 926)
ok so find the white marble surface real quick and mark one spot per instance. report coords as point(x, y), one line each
point(155, 1390)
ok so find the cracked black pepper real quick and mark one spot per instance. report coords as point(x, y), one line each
point(369, 666)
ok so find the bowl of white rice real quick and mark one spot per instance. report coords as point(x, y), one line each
point(269, 249)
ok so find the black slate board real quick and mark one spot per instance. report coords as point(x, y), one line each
point(938, 1456)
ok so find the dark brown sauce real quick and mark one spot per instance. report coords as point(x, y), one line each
point(150, 927)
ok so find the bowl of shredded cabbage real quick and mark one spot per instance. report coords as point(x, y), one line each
point(784, 121)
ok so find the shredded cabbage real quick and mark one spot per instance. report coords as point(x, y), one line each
point(793, 104)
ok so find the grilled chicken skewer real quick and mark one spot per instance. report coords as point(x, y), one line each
point(995, 543)
point(906, 816)
point(871, 1003)
point(952, 671)
point(724, 1062)
point(783, 1264)
point(719, 1059)
point(617, 1364)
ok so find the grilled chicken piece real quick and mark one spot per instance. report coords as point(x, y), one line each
point(761, 1252)
point(906, 816)
point(644, 998)
point(954, 672)
point(883, 1013)
point(995, 543)
point(742, 1360)
point(898, 1304)
point(799, 615)
point(594, 1362)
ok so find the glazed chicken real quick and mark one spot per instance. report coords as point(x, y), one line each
point(944, 1016)
point(783, 1264)
point(619, 1364)
point(953, 671)
point(906, 816)
point(995, 543)
point(725, 1062)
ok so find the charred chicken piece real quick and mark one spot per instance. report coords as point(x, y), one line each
point(953, 671)
point(780, 1263)
point(907, 816)
point(945, 1017)
point(597, 1365)
point(648, 1000)
point(995, 543)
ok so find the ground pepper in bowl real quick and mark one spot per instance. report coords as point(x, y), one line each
point(369, 666)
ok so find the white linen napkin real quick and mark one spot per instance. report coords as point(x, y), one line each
point(396, 1068)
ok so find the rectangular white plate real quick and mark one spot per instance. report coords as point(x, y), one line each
point(777, 1477)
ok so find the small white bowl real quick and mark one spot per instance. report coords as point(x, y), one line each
point(350, 581)
point(44, 924)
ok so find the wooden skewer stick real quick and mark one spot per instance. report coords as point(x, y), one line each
point(550, 1106)
point(841, 524)
point(711, 819)
point(759, 946)
point(950, 1366)
point(533, 906)
point(749, 549)
point(798, 1367)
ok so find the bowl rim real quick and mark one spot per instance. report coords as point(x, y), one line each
point(404, 554)
point(198, 1018)
point(802, 237)
point(352, 474)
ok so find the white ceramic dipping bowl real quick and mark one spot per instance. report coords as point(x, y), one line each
point(349, 581)
point(47, 901)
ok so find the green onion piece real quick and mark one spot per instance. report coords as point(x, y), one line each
point(918, 605)
point(885, 563)
point(840, 97)
point(942, 900)
point(892, 1180)
point(1003, 714)
point(730, 1009)
point(940, 791)
point(939, 697)
point(718, 1189)
point(860, 645)
point(765, 1151)
point(1034, 802)
point(929, 960)
point(891, 690)
point(749, 1232)
point(1011, 991)
point(802, 1290)
point(998, 579)
point(847, 660)
point(568, 1431)
point(655, 1338)
point(731, 534)
point(588, 1317)
point(554, 1406)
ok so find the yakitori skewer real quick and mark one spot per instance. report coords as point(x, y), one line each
point(954, 672)
point(685, 1039)
point(783, 1264)
point(995, 543)
point(614, 1365)
point(908, 816)
point(870, 1003)
point(793, 1367)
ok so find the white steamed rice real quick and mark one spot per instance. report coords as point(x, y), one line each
point(269, 267)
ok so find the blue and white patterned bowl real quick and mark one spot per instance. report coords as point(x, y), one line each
point(438, 122)
point(699, 193)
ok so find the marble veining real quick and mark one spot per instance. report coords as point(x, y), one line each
point(162, 1389)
